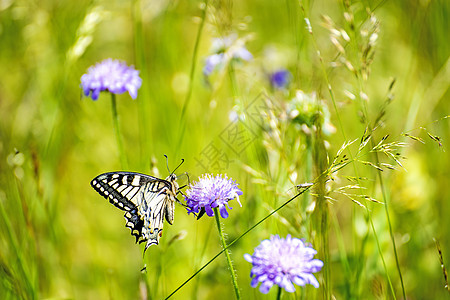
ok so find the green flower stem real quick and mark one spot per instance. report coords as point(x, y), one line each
point(233, 81)
point(279, 293)
point(192, 76)
point(321, 213)
point(115, 116)
point(227, 254)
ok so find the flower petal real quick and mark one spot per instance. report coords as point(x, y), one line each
point(248, 258)
point(287, 285)
point(265, 286)
point(223, 211)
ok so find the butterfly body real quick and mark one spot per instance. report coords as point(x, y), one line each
point(146, 200)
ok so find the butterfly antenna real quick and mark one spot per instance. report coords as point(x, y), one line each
point(167, 164)
point(182, 161)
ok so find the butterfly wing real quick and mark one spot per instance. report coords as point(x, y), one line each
point(147, 200)
point(155, 204)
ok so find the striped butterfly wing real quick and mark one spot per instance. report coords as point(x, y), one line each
point(146, 200)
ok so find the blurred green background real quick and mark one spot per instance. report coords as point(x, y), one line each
point(60, 240)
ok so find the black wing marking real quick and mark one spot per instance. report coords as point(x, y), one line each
point(134, 223)
point(121, 188)
point(147, 201)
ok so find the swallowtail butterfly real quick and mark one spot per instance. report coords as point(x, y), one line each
point(146, 200)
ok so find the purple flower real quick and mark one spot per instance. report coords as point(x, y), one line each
point(242, 53)
point(283, 262)
point(224, 50)
point(210, 192)
point(113, 76)
point(211, 62)
point(280, 79)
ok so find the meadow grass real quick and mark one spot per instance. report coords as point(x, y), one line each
point(350, 156)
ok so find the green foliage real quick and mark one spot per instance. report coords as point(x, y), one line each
point(371, 150)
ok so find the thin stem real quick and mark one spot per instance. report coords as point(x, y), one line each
point(279, 293)
point(233, 81)
point(191, 75)
point(227, 254)
point(115, 116)
point(322, 209)
point(144, 102)
point(391, 232)
point(194, 60)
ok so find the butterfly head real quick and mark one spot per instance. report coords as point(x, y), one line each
point(173, 179)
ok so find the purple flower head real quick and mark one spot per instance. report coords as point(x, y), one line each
point(210, 192)
point(280, 79)
point(284, 262)
point(113, 76)
point(225, 49)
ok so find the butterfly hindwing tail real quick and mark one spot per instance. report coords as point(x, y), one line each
point(134, 223)
point(146, 200)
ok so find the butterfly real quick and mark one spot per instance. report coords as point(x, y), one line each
point(146, 200)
